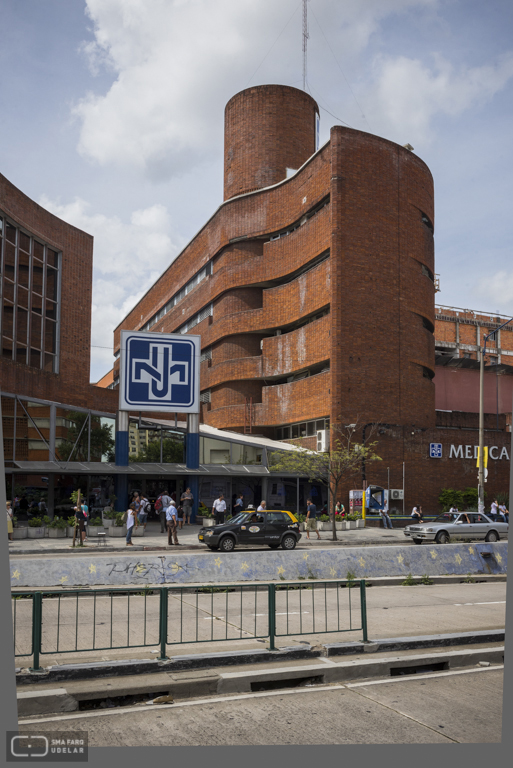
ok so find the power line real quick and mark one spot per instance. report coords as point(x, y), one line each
point(343, 75)
point(272, 46)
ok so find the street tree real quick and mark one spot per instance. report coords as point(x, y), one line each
point(341, 464)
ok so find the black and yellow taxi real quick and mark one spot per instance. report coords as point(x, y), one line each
point(272, 527)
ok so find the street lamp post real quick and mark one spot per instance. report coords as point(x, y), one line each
point(480, 476)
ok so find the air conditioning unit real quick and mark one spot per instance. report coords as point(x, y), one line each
point(323, 440)
point(397, 494)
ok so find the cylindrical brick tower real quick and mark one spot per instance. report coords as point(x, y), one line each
point(267, 129)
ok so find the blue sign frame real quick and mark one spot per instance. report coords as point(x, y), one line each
point(435, 450)
point(159, 372)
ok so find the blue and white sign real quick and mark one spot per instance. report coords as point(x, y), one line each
point(435, 450)
point(159, 372)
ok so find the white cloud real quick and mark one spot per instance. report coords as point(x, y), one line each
point(497, 289)
point(409, 94)
point(179, 61)
point(128, 258)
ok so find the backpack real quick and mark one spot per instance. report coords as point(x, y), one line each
point(158, 504)
point(125, 516)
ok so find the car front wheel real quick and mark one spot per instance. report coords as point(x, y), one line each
point(288, 542)
point(492, 536)
point(227, 544)
point(442, 537)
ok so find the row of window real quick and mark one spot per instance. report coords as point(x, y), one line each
point(202, 314)
point(302, 429)
point(292, 228)
point(177, 298)
point(30, 284)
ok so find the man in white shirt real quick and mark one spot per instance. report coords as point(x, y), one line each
point(262, 506)
point(218, 509)
point(171, 522)
point(493, 510)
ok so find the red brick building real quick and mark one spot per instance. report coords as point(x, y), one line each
point(313, 289)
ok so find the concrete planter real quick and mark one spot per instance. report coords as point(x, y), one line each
point(92, 530)
point(209, 522)
point(117, 530)
point(57, 533)
point(69, 531)
point(138, 531)
point(360, 523)
point(324, 525)
point(339, 525)
point(36, 533)
point(108, 522)
point(350, 524)
point(20, 533)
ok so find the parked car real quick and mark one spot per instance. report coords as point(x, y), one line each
point(463, 525)
point(273, 527)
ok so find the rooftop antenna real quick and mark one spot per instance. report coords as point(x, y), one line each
point(305, 38)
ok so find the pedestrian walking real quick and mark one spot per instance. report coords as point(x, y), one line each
point(9, 521)
point(311, 522)
point(80, 515)
point(387, 523)
point(161, 504)
point(187, 500)
point(239, 504)
point(142, 513)
point(131, 522)
point(493, 510)
point(218, 509)
point(171, 522)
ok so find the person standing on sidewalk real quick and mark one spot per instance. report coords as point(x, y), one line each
point(161, 504)
point(311, 522)
point(387, 523)
point(187, 500)
point(142, 513)
point(9, 521)
point(218, 509)
point(131, 520)
point(171, 522)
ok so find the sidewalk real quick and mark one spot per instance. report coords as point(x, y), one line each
point(188, 538)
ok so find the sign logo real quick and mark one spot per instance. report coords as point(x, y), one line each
point(159, 372)
point(435, 450)
point(48, 747)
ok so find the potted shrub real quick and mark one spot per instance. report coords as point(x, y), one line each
point(35, 529)
point(323, 523)
point(208, 519)
point(94, 526)
point(351, 521)
point(18, 532)
point(119, 527)
point(108, 517)
point(70, 523)
point(57, 528)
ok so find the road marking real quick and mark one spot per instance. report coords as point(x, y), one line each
point(490, 602)
point(240, 697)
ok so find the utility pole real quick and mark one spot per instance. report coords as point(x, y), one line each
point(481, 473)
point(305, 38)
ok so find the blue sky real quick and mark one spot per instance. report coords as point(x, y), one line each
point(112, 117)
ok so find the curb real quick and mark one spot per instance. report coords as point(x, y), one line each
point(203, 660)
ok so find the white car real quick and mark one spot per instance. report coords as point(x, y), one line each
point(464, 525)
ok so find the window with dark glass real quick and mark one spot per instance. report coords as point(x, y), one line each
point(30, 275)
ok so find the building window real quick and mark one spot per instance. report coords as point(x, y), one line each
point(30, 274)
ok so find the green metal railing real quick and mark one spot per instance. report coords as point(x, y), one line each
point(85, 620)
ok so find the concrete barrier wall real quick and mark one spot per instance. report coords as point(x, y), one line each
point(212, 567)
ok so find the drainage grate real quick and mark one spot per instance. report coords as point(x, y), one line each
point(437, 666)
point(109, 702)
point(296, 682)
